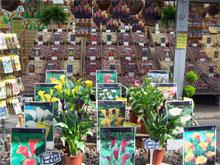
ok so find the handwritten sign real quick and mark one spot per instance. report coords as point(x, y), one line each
point(181, 41)
point(49, 158)
point(151, 144)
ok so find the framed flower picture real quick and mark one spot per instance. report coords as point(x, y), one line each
point(106, 76)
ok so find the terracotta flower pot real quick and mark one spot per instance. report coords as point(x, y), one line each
point(74, 160)
point(158, 157)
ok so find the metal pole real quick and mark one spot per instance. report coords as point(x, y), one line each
point(182, 12)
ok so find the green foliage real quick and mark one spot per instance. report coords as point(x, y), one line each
point(53, 13)
point(191, 76)
point(189, 90)
point(145, 98)
point(168, 16)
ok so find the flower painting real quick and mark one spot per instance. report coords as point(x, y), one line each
point(184, 111)
point(3, 109)
point(54, 75)
point(158, 76)
point(40, 115)
point(169, 90)
point(111, 113)
point(46, 87)
point(199, 145)
point(103, 76)
point(108, 91)
point(26, 145)
point(117, 146)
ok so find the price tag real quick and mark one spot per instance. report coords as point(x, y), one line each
point(167, 59)
point(122, 30)
point(208, 45)
point(54, 58)
point(111, 58)
point(211, 74)
point(49, 158)
point(74, 30)
point(59, 30)
point(73, 42)
point(126, 43)
point(128, 58)
point(36, 58)
point(109, 42)
point(141, 44)
point(138, 31)
point(144, 58)
point(172, 33)
point(45, 30)
point(40, 42)
point(92, 58)
point(94, 43)
point(162, 44)
point(194, 44)
point(151, 144)
point(108, 31)
point(202, 59)
point(131, 74)
point(92, 73)
point(93, 30)
point(57, 42)
point(71, 58)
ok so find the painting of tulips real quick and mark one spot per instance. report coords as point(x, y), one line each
point(40, 115)
point(184, 111)
point(111, 113)
point(103, 76)
point(26, 145)
point(158, 76)
point(54, 75)
point(108, 91)
point(199, 145)
point(169, 90)
point(117, 146)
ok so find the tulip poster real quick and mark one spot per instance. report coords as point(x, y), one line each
point(26, 145)
point(184, 111)
point(199, 145)
point(104, 76)
point(111, 113)
point(117, 146)
point(40, 115)
point(169, 90)
point(158, 76)
point(54, 75)
point(108, 91)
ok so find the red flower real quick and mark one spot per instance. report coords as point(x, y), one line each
point(116, 152)
point(123, 145)
point(29, 162)
point(32, 144)
point(107, 78)
point(113, 141)
point(125, 157)
point(23, 150)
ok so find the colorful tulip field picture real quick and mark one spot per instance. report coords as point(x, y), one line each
point(199, 145)
point(184, 111)
point(108, 91)
point(26, 145)
point(106, 76)
point(40, 115)
point(111, 113)
point(117, 146)
point(158, 76)
point(169, 90)
point(54, 75)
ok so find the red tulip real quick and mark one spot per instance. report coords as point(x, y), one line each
point(30, 162)
point(125, 157)
point(116, 152)
point(23, 150)
point(123, 145)
point(32, 144)
point(113, 141)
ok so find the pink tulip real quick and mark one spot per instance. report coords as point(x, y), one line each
point(123, 145)
point(113, 141)
point(116, 152)
point(23, 150)
point(125, 157)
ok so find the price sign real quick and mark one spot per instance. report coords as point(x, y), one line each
point(151, 144)
point(49, 158)
point(126, 43)
point(111, 58)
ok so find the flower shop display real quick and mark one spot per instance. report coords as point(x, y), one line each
point(117, 146)
point(26, 145)
point(40, 115)
point(199, 145)
point(108, 91)
point(106, 76)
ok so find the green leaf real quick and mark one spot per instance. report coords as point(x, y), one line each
point(63, 139)
point(62, 125)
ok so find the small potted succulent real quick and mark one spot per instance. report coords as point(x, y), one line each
point(189, 90)
point(74, 119)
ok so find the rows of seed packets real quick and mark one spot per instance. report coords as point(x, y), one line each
point(10, 85)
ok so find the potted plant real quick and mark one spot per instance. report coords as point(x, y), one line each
point(74, 119)
point(189, 90)
point(168, 16)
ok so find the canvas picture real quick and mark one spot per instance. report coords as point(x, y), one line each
point(3, 109)
point(103, 76)
point(111, 113)
point(184, 111)
point(117, 146)
point(52, 75)
point(169, 90)
point(108, 91)
point(199, 145)
point(40, 115)
point(16, 62)
point(7, 64)
point(158, 76)
point(26, 145)
point(2, 90)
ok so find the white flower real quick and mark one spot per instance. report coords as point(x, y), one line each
point(114, 91)
point(185, 119)
point(40, 113)
point(175, 111)
point(30, 124)
point(31, 113)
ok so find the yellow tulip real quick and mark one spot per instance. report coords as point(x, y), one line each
point(203, 145)
point(62, 78)
point(89, 83)
point(51, 92)
point(54, 99)
point(75, 90)
point(58, 88)
point(201, 160)
point(55, 81)
point(41, 94)
point(117, 113)
point(48, 97)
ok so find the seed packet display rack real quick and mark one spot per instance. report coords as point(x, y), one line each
point(10, 83)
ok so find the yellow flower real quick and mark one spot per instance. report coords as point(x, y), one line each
point(75, 90)
point(210, 154)
point(201, 160)
point(51, 92)
point(54, 99)
point(203, 145)
point(119, 120)
point(54, 81)
point(42, 95)
point(103, 111)
point(89, 83)
point(58, 88)
point(62, 78)
point(189, 157)
point(48, 97)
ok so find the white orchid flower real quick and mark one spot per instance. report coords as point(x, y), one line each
point(175, 111)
